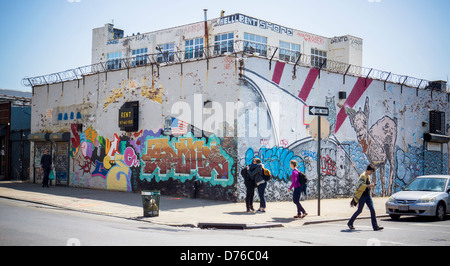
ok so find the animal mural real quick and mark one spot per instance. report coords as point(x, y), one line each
point(149, 160)
point(377, 142)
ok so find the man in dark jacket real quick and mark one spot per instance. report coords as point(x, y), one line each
point(250, 184)
point(46, 166)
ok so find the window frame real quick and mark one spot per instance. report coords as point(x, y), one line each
point(255, 43)
point(224, 43)
point(289, 54)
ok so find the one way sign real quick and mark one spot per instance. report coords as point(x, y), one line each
point(319, 111)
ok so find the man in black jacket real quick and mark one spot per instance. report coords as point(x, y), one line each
point(46, 166)
point(250, 184)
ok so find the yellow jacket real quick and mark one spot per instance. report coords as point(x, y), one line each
point(363, 182)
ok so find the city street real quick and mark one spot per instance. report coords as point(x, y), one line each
point(29, 224)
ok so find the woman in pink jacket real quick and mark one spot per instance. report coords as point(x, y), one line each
point(301, 213)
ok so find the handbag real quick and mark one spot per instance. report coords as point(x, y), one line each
point(52, 175)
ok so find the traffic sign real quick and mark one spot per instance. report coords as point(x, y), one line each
point(319, 111)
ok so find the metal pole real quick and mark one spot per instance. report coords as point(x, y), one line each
point(319, 158)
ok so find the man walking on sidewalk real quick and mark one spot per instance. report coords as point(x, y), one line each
point(363, 197)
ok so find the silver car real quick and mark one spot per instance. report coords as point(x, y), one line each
point(425, 196)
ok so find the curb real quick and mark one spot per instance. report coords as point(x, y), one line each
point(232, 226)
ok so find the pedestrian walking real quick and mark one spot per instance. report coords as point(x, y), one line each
point(46, 166)
point(256, 171)
point(363, 196)
point(297, 186)
point(250, 186)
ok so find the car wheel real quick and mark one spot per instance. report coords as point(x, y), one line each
point(440, 212)
point(395, 217)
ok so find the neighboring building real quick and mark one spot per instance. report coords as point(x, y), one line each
point(15, 126)
point(186, 120)
point(236, 32)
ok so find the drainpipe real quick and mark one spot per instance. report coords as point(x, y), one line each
point(206, 28)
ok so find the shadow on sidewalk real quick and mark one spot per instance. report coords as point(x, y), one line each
point(126, 198)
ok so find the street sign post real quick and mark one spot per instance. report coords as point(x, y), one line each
point(319, 112)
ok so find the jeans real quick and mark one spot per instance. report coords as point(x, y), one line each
point(46, 176)
point(296, 200)
point(250, 196)
point(261, 191)
point(365, 200)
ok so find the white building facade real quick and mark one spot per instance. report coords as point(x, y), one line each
point(253, 35)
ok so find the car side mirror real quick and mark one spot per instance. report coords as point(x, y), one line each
point(448, 190)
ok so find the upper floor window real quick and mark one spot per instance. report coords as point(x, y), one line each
point(289, 52)
point(194, 48)
point(139, 57)
point(318, 58)
point(166, 52)
point(255, 44)
point(224, 43)
point(114, 61)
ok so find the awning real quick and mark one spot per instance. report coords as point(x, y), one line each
point(436, 138)
point(60, 136)
point(39, 137)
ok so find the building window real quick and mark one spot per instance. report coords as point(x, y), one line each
point(255, 44)
point(437, 122)
point(166, 52)
point(139, 57)
point(114, 61)
point(289, 52)
point(194, 49)
point(318, 57)
point(224, 43)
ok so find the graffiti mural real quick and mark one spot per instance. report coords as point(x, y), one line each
point(386, 133)
point(186, 158)
point(277, 160)
point(378, 143)
point(131, 162)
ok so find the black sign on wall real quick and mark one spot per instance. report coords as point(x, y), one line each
point(129, 117)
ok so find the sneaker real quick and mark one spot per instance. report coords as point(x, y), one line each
point(351, 227)
point(260, 211)
point(378, 228)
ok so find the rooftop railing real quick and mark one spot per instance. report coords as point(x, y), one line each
point(238, 49)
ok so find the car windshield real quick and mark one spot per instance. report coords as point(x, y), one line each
point(427, 184)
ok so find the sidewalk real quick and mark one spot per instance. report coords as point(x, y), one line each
point(181, 211)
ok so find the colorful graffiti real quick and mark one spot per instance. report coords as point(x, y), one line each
point(277, 160)
point(186, 158)
point(153, 93)
point(145, 156)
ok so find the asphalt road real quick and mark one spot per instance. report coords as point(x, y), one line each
point(27, 224)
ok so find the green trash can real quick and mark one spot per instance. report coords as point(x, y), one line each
point(150, 200)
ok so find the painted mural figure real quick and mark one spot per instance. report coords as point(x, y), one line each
point(377, 142)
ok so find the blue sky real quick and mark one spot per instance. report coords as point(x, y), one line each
point(408, 37)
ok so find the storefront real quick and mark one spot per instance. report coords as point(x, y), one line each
point(58, 144)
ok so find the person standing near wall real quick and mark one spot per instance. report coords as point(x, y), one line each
point(297, 186)
point(363, 197)
point(46, 166)
point(250, 185)
point(256, 171)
